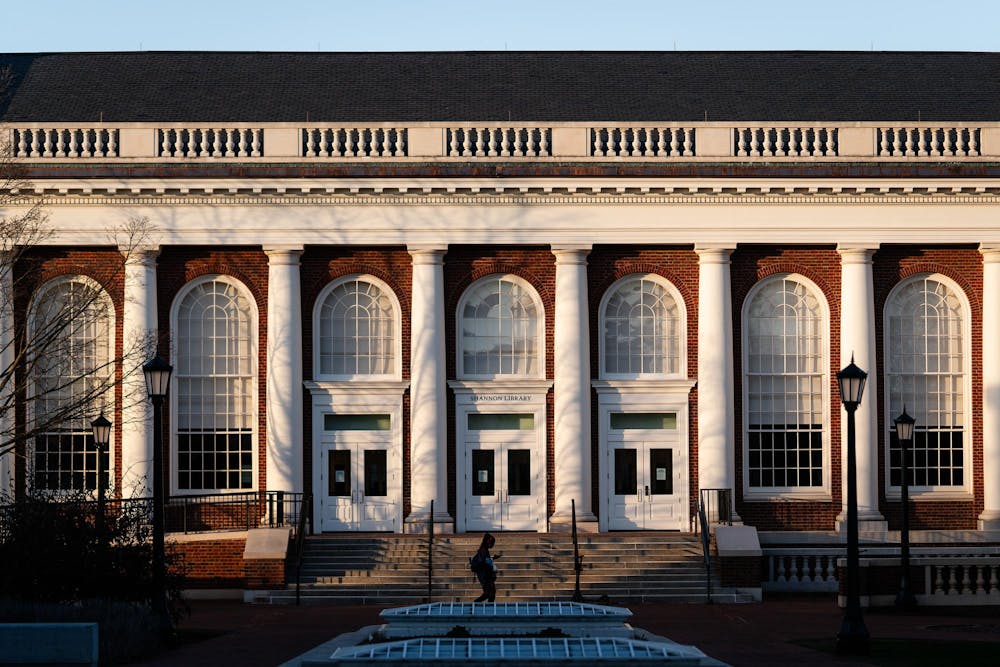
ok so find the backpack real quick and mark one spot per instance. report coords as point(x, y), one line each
point(478, 562)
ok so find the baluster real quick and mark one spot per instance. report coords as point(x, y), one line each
point(938, 580)
point(688, 141)
point(675, 141)
point(782, 570)
point(74, 143)
point(596, 148)
point(817, 142)
point(909, 141)
point(22, 143)
point(922, 141)
point(255, 142)
point(181, 148)
point(453, 142)
point(884, 142)
point(952, 580)
point(339, 142)
point(321, 140)
point(935, 141)
point(661, 142)
point(950, 142)
point(113, 143)
point(36, 142)
point(543, 142)
point(244, 135)
point(980, 588)
point(204, 147)
point(754, 143)
point(993, 579)
point(88, 144)
point(793, 143)
point(493, 142)
point(309, 139)
point(649, 145)
point(217, 142)
point(829, 574)
point(519, 147)
point(831, 141)
point(47, 143)
point(353, 145)
point(897, 140)
point(229, 142)
point(610, 148)
point(399, 147)
point(741, 145)
point(973, 143)
point(60, 143)
point(966, 583)
point(505, 141)
point(466, 142)
point(768, 141)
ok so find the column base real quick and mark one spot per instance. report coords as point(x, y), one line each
point(870, 524)
point(417, 523)
point(989, 520)
point(562, 522)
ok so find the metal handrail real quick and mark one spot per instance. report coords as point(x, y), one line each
point(305, 515)
point(706, 545)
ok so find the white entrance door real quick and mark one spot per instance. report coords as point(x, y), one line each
point(358, 479)
point(647, 486)
point(502, 466)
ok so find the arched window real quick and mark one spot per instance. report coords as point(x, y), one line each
point(925, 370)
point(500, 329)
point(72, 369)
point(215, 331)
point(642, 328)
point(356, 329)
point(785, 371)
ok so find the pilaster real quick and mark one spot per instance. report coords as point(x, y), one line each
point(572, 388)
point(284, 369)
point(428, 375)
point(990, 518)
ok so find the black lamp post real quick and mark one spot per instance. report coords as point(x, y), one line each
point(157, 372)
point(904, 433)
point(101, 429)
point(853, 637)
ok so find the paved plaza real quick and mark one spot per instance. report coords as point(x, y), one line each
point(741, 635)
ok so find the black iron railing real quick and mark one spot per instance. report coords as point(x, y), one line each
point(718, 506)
point(305, 519)
point(706, 548)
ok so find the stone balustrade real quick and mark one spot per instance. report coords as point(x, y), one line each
point(607, 142)
point(801, 571)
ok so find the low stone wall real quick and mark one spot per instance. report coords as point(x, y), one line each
point(232, 560)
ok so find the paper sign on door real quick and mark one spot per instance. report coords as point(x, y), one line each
point(338, 476)
point(661, 474)
point(484, 476)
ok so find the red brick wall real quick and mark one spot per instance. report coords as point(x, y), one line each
point(821, 265)
point(678, 265)
point(463, 265)
point(211, 563)
point(964, 265)
point(324, 264)
point(106, 267)
point(176, 267)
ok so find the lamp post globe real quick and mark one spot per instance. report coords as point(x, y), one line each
point(853, 638)
point(904, 434)
point(157, 373)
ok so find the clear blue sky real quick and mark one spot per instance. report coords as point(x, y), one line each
point(448, 25)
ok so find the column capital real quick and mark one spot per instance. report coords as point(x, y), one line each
point(714, 253)
point(571, 253)
point(427, 253)
point(283, 254)
point(856, 253)
point(990, 252)
point(142, 254)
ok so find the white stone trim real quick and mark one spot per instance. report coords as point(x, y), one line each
point(990, 517)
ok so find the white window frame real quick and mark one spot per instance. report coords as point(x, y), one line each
point(822, 492)
point(681, 350)
point(108, 398)
point(539, 329)
point(954, 492)
point(254, 330)
point(397, 344)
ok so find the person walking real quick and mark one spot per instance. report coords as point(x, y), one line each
point(485, 569)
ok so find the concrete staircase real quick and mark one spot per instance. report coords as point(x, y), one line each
point(392, 569)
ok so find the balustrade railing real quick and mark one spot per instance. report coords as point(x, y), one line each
point(334, 142)
point(498, 141)
point(928, 141)
point(786, 142)
point(801, 571)
point(577, 141)
point(953, 577)
point(55, 142)
point(642, 141)
point(210, 142)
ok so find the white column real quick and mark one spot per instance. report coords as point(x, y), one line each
point(571, 416)
point(6, 370)
point(990, 518)
point(857, 341)
point(428, 407)
point(716, 424)
point(139, 337)
point(284, 369)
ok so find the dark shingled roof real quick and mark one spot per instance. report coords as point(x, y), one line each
point(497, 86)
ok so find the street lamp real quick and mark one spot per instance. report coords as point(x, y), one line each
point(853, 637)
point(157, 372)
point(904, 433)
point(101, 429)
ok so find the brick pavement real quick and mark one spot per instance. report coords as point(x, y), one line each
point(752, 635)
